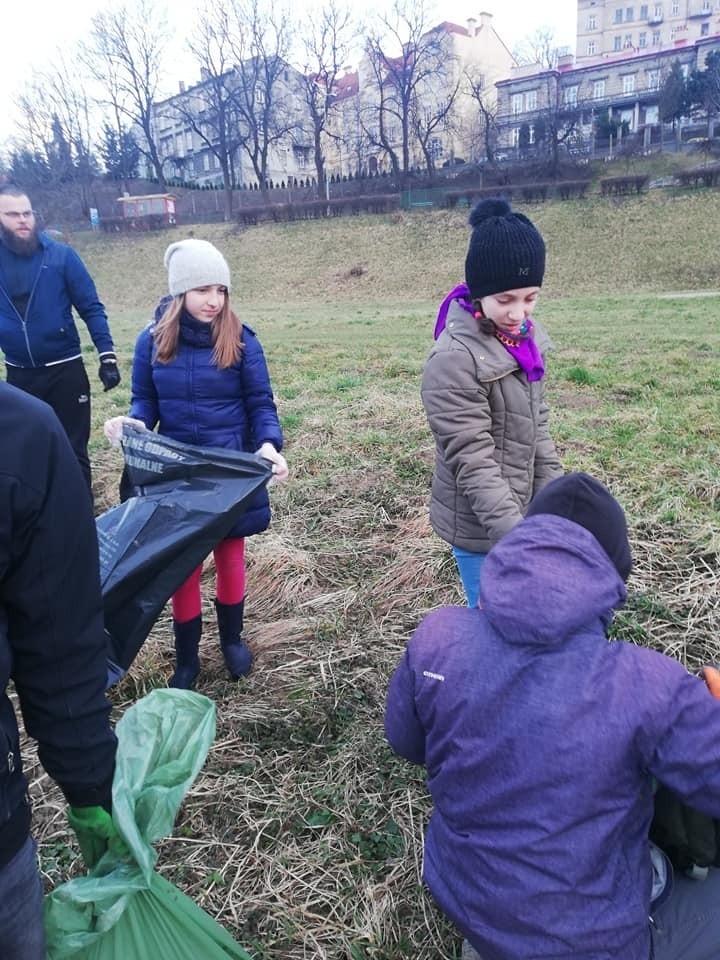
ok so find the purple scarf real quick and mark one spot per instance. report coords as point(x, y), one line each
point(523, 349)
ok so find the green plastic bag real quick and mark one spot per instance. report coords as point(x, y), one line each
point(123, 910)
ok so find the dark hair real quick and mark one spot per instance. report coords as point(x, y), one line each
point(11, 189)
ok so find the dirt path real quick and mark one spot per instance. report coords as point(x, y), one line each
point(689, 294)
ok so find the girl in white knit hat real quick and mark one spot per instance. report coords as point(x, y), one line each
point(200, 376)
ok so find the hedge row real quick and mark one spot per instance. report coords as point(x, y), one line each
point(317, 209)
point(528, 192)
point(622, 186)
point(708, 176)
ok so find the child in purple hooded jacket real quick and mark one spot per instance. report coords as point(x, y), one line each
point(542, 740)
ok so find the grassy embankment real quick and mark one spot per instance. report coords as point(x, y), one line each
point(303, 834)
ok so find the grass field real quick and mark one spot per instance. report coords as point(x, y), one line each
point(303, 834)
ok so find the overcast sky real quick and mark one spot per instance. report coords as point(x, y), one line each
point(47, 24)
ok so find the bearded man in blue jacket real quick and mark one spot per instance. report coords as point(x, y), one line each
point(53, 646)
point(41, 281)
point(542, 741)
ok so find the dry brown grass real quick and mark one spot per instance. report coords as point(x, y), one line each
point(303, 834)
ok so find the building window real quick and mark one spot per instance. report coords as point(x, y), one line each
point(628, 83)
point(629, 13)
point(653, 79)
point(657, 14)
point(188, 139)
point(642, 39)
point(617, 43)
point(618, 15)
point(627, 43)
point(592, 22)
point(707, 6)
point(531, 100)
point(598, 89)
point(517, 100)
point(675, 8)
point(206, 162)
point(656, 38)
point(644, 11)
point(570, 95)
point(704, 29)
point(260, 97)
point(515, 136)
point(436, 148)
point(591, 47)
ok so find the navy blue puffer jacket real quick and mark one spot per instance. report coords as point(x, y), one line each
point(191, 400)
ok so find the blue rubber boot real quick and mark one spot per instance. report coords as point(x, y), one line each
point(238, 658)
point(187, 661)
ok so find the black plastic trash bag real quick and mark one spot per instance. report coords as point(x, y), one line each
point(187, 500)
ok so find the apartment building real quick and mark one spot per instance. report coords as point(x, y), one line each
point(458, 59)
point(189, 132)
point(608, 28)
point(465, 58)
point(626, 89)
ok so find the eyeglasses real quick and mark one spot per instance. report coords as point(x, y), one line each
point(19, 214)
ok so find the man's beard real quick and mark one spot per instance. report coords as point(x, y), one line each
point(23, 246)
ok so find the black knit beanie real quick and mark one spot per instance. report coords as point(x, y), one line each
point(506, 251)
point(584, 500)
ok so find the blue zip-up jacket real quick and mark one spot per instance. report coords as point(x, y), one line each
point(541, 740)
point(52, 636)
point(191, 400)
point(47, 332)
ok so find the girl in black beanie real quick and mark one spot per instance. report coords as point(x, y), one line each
point(484, 393)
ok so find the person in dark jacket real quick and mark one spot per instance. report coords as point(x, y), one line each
point(200, 375)
point(41, 281)
point(52, 646)
point(541, 740)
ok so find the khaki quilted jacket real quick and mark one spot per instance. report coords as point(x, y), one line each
point(493, 451)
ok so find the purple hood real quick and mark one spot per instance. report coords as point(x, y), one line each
point(524, 582)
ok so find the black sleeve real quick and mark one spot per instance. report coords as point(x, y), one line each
point(50, 591)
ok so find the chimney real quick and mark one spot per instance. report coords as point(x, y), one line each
point(204, 74)
point(471, 25)
point(485, 19)
point(182, 86)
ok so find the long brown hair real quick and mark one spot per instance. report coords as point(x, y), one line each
point(226, 333)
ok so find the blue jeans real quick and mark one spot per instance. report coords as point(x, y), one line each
point(469, 566)
point(687, 925)
point(22, 934)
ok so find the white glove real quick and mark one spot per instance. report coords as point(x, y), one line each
point(113, 428)
point(280, 468)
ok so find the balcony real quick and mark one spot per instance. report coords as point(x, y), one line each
point(654, 20)
point(699, 14)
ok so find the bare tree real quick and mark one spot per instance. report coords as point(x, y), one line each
point(266, 87)
point(429, 117)
point(558, 121)
point(58, 124)
point(127, 45)
point(540, 47)
point(326, 43)
point(486, 132)
point(210, 109)
point(407, 60)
